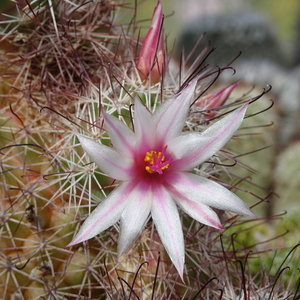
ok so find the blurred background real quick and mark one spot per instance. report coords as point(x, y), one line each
point(283, 14)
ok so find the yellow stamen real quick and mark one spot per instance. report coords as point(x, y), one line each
point(155, 162)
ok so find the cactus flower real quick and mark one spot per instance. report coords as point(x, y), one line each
point(152, 62)
point(153, 163)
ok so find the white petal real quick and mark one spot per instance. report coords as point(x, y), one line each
point(167, 221)
point(207, 192)
point(186, 143)
point(107, 159)
point(144, 127)
point(122, 137)
point(105, 214)
point(199, 147)
point(134, 216)
point(171, 115)
point(198, 211)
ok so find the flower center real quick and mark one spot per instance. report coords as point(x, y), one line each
point(156, 161)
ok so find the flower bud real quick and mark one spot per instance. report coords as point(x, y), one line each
point(215, 100)
point(152, 62)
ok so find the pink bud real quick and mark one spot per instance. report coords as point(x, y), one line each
point(152, 62)
point(216, 99)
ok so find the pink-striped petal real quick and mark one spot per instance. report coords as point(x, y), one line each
point(186, 143)
point(198, 211)
point(144, 127)
point(195, 152)
point(167, 221)
point(207, 192)
point(107, 159)
point(122, 138)
point(171, 115)
point(134, 216)
point(106, 213)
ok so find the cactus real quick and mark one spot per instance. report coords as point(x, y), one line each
point(62, 62)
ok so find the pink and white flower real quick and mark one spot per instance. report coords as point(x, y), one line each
point(154, 161)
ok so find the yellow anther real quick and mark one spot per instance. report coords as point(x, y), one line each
point(155, 162)
point(148, 169)
point(149, 157)
point(165, 167)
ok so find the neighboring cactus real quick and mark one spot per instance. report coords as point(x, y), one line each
point(61, 62)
